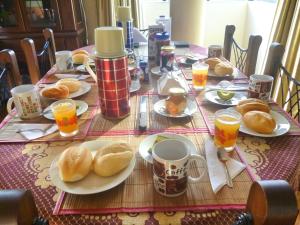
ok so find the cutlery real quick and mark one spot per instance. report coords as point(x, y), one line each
point(223, 157)
point(143, 120)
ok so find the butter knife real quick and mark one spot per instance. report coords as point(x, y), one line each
point(143, 117)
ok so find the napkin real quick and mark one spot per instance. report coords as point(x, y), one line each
point(76, 76)
point(216, 170)
point(29, 131)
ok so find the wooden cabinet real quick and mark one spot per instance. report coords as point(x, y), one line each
point(27, 18)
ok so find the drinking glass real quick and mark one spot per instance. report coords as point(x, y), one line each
point(64, 112)
point(199, 72)
point(227, 124)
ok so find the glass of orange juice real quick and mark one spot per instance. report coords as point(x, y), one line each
point(227, 124)
point(199, 75)
point(64, 112)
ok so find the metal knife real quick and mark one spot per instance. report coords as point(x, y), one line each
point(143, 117)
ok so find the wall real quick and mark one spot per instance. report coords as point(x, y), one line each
point(259, 22)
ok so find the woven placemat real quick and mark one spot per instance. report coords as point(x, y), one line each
point(209, 109)
point(8, 134)
point(137, 193)
point(156, 122)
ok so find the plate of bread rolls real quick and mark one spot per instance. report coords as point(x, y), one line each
point(65, 88)
point(219, 68)
point(92, 167)
point(259, 120)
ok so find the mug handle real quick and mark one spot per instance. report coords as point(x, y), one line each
point(89, 69)
point(9, 107)
point(196, 179)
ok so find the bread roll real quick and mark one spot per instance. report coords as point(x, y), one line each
point(223, 68)
point(212, 62)
point(57, 92)
point(80, 51)
point(74, 163)
point(247, 105)
point(110, 160)
point(79, 58)
point(260, 122)
point(71, 83)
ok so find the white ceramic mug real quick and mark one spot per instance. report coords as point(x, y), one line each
point(64, 61)
point(27, 101)
point(171, 161)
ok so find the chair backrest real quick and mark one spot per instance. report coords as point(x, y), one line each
point(37, 63)
point(289, 87)
point(245, 59)
point(9, 77)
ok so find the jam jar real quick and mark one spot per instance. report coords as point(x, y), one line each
point(177, 101)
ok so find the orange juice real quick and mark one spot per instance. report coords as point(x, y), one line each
point(227, 126)
point(199, 75)
point(64, 112)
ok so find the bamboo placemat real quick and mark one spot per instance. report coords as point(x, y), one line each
point(137, 194)
point(156, 123)
point(7, 133)
point(208, 110)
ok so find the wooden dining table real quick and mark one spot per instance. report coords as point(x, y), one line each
point(25, 164)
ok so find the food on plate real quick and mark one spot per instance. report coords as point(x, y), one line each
point(78, 56)
point(260, 122)
point(212, 62)
point(225, 95)
point(56, 92)
point(223, 68)
point(252, 104)
point(71, 83)
point(111, 159)
point(176, 102)
point(158, 138)
point(74, 163)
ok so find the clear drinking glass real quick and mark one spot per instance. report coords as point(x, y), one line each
point(199, 75)
point(227, 124)
point(64, 112)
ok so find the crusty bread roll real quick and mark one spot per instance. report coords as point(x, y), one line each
point(110, 160)
point(223, 68)
point(80, 51)
point(260, 122)
point(247, 105)
point(212, 62)
point(79, 58)
point(57, 92)
point(71, 83)
point(74, 163)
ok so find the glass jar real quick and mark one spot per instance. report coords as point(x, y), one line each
point(177, 101)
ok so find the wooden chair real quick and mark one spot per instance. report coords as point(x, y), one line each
point(289, 92)
point(37, 63)
point(9, 77)
point(245, 59)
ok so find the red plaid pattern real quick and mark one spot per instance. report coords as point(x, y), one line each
point(113, 85)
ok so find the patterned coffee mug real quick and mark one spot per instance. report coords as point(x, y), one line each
point(27, 102)
point(171, 160)
point(260, 86)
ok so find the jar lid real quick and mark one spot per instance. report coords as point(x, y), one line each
point(162, 36)
point(176, 91)
point(168, 48)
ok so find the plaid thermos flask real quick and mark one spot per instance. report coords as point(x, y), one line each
point(124, 20)
point(112, 72)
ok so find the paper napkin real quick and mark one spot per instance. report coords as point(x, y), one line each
point(67, 75)
point(216, 170)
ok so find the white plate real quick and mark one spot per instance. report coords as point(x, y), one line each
point(84, 88)
point(135, 85)
point(81, 107)
point(92, 183)
point(211, 73)
point(148, 142)
point(160, 108)
point(213, 97)
point(282, 126)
